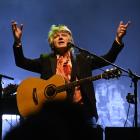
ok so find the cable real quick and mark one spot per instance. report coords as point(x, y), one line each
point(127, 115)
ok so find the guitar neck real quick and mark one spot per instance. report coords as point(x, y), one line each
point(78, 82)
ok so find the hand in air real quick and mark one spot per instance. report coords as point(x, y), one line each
point(17, 31)
point(121, 31)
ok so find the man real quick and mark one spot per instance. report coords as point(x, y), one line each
point(64, 62)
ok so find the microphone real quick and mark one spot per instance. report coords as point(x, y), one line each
point(88, 54)
point(71, 45)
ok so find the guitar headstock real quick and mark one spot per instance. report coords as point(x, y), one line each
point(112, 73)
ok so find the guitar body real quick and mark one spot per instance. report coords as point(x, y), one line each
point(32, 93)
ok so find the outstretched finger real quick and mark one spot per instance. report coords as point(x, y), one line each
point(127, 24)
point(21, 27)
point(121, 22)
point(14, 25)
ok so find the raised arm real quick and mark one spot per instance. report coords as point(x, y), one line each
point(20, 60)
point(117, 46)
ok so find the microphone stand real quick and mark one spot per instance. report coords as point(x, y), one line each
point(2, 76)
point(133, 76)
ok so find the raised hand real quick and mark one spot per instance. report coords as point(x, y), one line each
point(121, 31)
point(17, 31)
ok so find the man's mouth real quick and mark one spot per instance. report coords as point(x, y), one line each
point(61, 42)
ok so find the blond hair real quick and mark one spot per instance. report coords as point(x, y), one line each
point(58, 28)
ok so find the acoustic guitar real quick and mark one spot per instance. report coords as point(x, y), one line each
point(33, 92)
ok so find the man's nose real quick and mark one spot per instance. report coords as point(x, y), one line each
point(60, 38)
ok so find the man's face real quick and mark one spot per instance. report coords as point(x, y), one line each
point(61, 39)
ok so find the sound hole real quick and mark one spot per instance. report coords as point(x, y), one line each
point(50, 91)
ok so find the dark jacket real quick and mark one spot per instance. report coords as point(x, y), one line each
point(82, 67)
